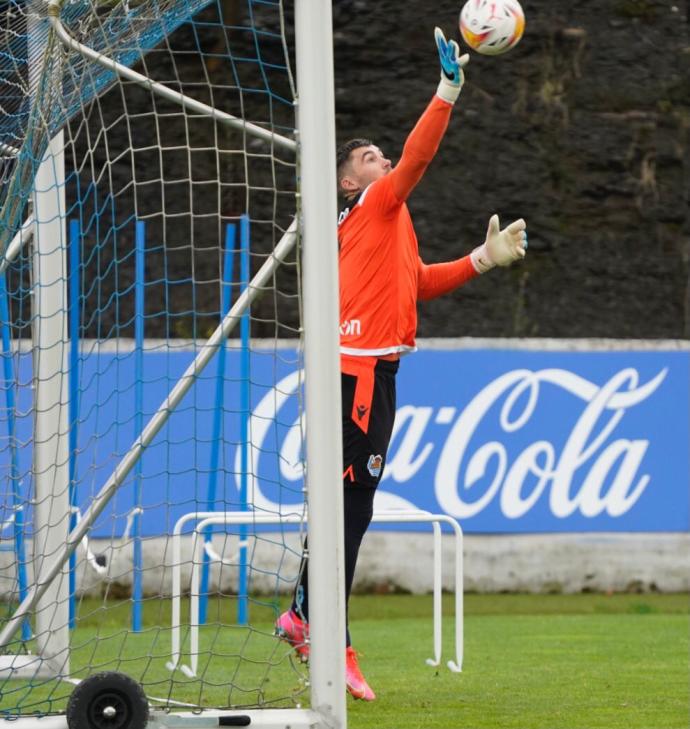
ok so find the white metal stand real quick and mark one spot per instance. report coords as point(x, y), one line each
point(208, 518)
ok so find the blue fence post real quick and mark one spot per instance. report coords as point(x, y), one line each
point(139, 283)
point(226, 297)
point(17, 507)
point(74, 297)
point(245, 409)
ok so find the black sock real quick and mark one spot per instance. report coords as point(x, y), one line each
point(358, 502)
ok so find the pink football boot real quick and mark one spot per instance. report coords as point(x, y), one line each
point(356, 683)
point(292, 629)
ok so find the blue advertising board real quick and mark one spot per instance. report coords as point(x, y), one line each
point(542, 441)
point(504, 440)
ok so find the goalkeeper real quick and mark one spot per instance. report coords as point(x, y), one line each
point(381, 279)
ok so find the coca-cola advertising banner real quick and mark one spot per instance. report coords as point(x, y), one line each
point(504, 440)
point(543, 441)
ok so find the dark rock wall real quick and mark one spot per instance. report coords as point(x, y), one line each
point(582, 130)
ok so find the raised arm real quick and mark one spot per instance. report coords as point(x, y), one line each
point(424, 139)
point(436, 279)
point(420, 148)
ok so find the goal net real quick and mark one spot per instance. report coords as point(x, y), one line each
point(152, 420)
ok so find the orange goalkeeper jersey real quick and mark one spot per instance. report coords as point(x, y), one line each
point(381, 274)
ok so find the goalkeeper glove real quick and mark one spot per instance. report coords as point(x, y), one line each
point(501, 247)
point(452, 63)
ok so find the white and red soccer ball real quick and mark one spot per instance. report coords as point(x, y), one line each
point(492, 27)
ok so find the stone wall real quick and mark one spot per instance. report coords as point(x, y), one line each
point(582, 130)
point(403, 561)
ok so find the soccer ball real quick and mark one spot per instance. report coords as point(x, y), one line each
point(492, 27)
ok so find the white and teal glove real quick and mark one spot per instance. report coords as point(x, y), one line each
point(501, 247)
point(452, 63)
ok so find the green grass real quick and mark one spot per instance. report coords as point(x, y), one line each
point(238, 666)
point(583, 661)
point(575, 662)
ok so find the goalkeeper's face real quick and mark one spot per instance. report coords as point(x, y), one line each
point(365, 165)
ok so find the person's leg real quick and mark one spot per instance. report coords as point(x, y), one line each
point(369, 389)
point(365, 447)
point(358, 508)
point(368, 415)
point(300, 599)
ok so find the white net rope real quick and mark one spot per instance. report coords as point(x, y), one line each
point(164, 215)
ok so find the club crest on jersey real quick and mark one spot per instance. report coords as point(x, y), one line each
point(374, 465)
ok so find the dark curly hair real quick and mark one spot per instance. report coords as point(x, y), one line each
point(346, 149)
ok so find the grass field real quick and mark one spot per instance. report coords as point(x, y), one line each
point(546, 661)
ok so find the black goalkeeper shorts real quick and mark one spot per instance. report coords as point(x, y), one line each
point(368, 387)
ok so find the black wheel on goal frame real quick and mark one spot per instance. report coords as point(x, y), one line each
point(108, 700)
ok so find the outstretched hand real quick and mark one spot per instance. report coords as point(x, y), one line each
point(452, 63)
point(501, 247)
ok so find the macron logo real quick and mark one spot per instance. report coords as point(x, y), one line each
point(350, 327)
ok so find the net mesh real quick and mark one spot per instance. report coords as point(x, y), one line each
point(164, 215)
